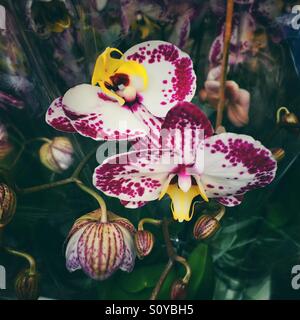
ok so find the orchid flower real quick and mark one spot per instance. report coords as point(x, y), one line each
point(240, 44)
point(127, 94)
point(100, 246)
point(47, 16)
point(188, 165)
point(16, 87)
point(237, 99)
point(147, 17)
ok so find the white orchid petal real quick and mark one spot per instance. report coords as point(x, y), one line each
point(171, 77)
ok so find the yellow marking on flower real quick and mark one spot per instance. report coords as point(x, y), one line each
point(201, 190)
point(182, 202)
point(106, 66)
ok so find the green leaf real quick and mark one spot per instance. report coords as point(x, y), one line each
point(202, 284)
point(141, 278)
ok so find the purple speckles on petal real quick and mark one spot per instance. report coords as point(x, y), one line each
point(235, 164)
point(170, 69)
point(56, 117)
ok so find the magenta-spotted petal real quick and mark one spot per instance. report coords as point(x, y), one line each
point(56, 117)
point(231, 201)
point(171, 77)
point(135, 176)
point(234, 164)
point(184, 128)
point(133, 204)
point(93, 114)
point(101, 250)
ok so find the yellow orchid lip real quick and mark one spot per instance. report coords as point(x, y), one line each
point(181, 200)
point(107, 67)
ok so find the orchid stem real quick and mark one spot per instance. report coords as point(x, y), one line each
point(150, 221)
point(96, 196)
point(79, 183)
point(52, 185)
point(19, 133)
point(224, 66)
point(26, 256)
point(166, 234)
point(162, 279)
point(22, 149)
point(46, 186)
point(83, 163)
point(278, 113)
point(173, 257)
point(188, 271)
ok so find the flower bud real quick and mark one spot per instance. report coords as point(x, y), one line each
point(5, 146)
point(290, 118)
point(205, 227)
point(7, 204)
point(57, 154)
point(100, 248)
point(179, 290)
point(144, 241)
point(27, 285)
point(278, 154)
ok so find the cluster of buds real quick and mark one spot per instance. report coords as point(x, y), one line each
point(206, 225)
point(100, 243)
point(8, 204)
point(57, 154)
point(5, 146)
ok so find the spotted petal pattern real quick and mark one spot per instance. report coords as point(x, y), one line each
point(87, 110)
point(233, 165)
point(171, 77)
point(184, 128)
point(56, 117)
point(135, 176)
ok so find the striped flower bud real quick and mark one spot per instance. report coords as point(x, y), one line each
point(179, 290)
point(144, 241)
point(205, 227)
point(27, 285)
point(57, 154)
point(5, 146)
point(7, 204)
point(100, 248)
